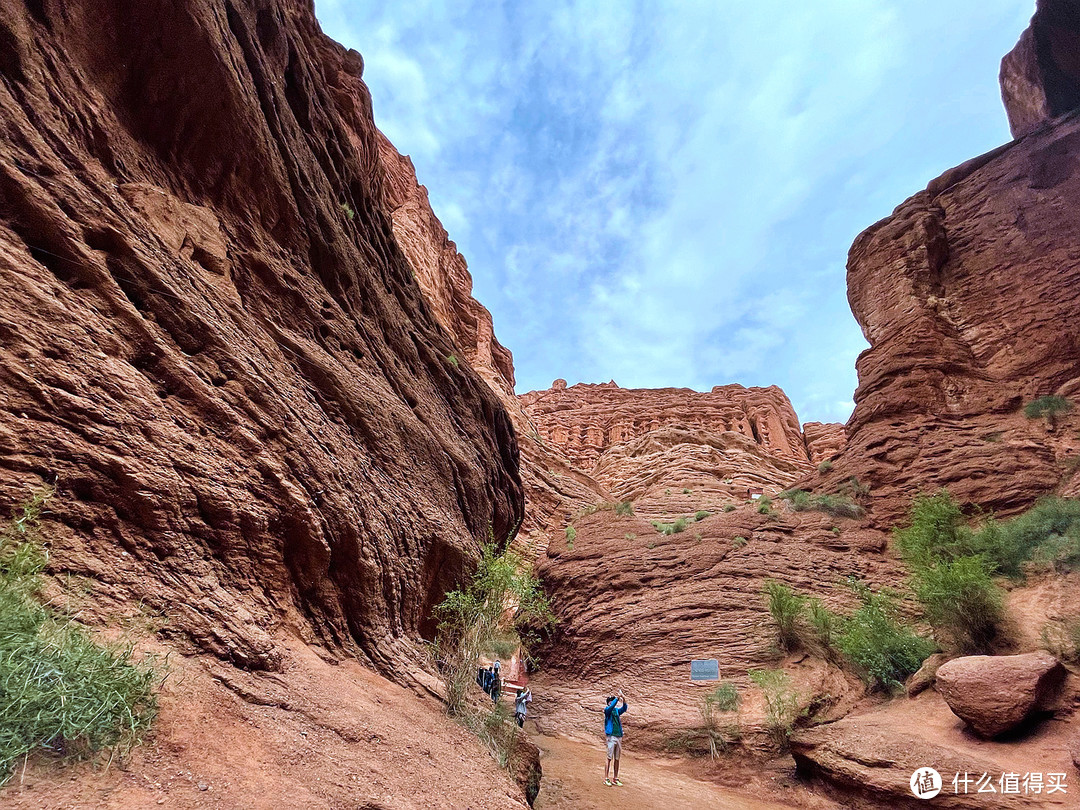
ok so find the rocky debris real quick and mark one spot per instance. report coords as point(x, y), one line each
point(1040, 77)
point(995, 693)
point(966, 294)
point(211, 337)
point(925, 676)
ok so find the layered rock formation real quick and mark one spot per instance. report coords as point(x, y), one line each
point(212, 340)
point(1040, 77)
point(585, 420)
point(967, 295)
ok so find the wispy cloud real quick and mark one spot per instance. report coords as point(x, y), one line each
point(664, 192)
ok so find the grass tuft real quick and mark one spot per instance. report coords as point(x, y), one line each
point(61, 691)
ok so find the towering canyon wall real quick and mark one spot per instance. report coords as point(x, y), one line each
point(211, 337)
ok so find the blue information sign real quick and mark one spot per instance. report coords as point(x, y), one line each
point(704, 669)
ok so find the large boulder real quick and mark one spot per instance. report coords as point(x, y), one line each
point(995, 693)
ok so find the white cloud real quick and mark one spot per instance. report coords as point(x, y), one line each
point(664, 192)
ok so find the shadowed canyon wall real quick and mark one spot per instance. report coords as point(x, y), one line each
point(212, 338)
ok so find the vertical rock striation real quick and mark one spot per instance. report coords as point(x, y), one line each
point(211, 337)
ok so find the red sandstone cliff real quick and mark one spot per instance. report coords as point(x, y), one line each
point(211, 338)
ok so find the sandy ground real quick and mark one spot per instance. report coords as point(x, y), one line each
point(574, 778)
point(317, 735)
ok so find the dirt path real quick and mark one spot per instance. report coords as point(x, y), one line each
point(573, 778)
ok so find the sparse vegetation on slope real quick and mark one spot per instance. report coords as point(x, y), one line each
point(473, 617)
point(786, 608)
point(781, 702)
point(1048, 408)
point(835, 505)
point(61, 691)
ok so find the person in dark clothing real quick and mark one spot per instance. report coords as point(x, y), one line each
point(613, 734)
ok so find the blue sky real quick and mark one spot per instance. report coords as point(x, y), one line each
point(663, 193)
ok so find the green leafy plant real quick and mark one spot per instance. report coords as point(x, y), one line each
point(701, 514)
point(764, 505)
point(686, 491)
point(348, 211)
point(630, 536)
point(738, 541)
point(825, 466)
point(729, 507)
point(624, 508)
point(824, 624)
point(675, 527)
point(724, 699)
point(835, 505)
point(61, 691)
point(781, 702)
point(452, 360)
point(571, 534)
point(501, 597)
point(961, 602)
point(786, 608)
point(873, 639)
point(1048, 408)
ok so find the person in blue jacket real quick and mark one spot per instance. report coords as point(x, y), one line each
point(613, 733)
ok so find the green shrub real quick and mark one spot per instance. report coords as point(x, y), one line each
point(571, 534)
point(937, 531)
point(452, 360)
point(630, 536)
point(473, 616)
point(825, 466)
point(729, 507)
point(671, 528)
point(838, 506)
point(667, 491)
point(60, 690)
point(883, 651)
point(686, 491)
point(347, 210)
point(1048, 408)
point(1049, 531)
point(624, 508)
point(738, 542)
point(824, 624)
point(701, 514)
point(781, 702)
point(786, 608)
point(764, 505)
point(724, 698)
point(835, 505)
point(961, 602)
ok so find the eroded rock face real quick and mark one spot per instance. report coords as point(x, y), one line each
point(995, 693)
point(823, 440)
point(442, 272)
point(967, 295)
point(211, 337)
point(585, 420)
point(1040, 77)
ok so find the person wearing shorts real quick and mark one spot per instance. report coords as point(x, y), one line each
point(613, 734)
